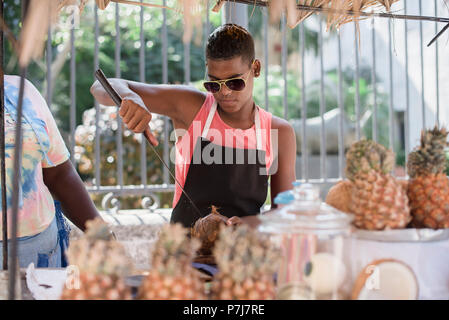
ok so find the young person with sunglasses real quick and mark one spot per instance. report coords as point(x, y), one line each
point(227, 147)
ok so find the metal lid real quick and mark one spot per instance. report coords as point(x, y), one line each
point(306, 214)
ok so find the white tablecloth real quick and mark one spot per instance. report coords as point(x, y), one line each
point(428, 260)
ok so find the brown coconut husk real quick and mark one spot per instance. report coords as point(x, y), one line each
point(206, 230)
point(339, 196)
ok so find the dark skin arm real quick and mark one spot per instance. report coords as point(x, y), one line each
point(283, 171)
point(67, 187)
point(179, 103)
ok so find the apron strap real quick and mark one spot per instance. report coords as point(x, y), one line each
point(210, 117)
point(258, 130)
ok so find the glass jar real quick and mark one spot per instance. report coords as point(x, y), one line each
point(312, 237)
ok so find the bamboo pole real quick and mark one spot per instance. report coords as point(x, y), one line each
point(14, 268)
point(2, 148)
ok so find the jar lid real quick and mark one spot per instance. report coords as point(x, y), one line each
point(306, 214)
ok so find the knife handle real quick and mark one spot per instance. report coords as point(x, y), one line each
point(118, 101)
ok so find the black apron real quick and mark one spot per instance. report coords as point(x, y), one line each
point(236, 182)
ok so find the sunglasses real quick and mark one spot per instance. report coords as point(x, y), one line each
point(234, 84)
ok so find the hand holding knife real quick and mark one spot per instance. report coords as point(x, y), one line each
point(147, 133)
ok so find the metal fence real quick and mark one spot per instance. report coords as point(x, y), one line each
point(371, 56)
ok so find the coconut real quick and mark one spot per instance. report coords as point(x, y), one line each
point(206, 230)
point(325, 273)
point(339, 196)
point(386, 279)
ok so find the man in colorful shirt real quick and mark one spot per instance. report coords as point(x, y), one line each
point(47, 175)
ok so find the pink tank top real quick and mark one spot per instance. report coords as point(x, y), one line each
point(209, 125)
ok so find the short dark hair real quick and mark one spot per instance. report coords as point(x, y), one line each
point(229, 41)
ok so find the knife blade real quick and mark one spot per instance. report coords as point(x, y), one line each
point(118, 101)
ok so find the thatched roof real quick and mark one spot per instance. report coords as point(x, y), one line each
point(42, 13)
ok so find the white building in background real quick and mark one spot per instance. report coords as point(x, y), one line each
point(425, 92)
point(417, 91)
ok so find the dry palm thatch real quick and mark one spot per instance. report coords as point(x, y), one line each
point(337, 10)
point(191, 10)
point(40, 16)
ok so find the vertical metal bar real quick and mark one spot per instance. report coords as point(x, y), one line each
point(17, 172)
point(207, 20)
point(165, 80)
point(143, 161)
point(423, 104)
point(97, 105)
point(72, 94)
point(143, 145)
point(390, 66)
point(407, 92)
point(206, 28)
point(119, 136)
point(322, 107)
point(187, 62)
point(265, 51)
point(357, 85)
point(374, 80)
point(49, 60)
point(341, 142)
point(2, 149)
point(437, 76)
point(284, 65)
point(304, 153)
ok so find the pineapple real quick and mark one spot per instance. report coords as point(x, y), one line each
point(428, 188)
point(246, 263)
point(378, 200)
point(102, 264)
point(172, 275)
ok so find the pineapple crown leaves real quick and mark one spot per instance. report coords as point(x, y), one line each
point(244, 253)
point(429, 157)
point(173, 251)
point(366, 155)
point(96, 252)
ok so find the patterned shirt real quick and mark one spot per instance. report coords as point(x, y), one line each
point(42, 147)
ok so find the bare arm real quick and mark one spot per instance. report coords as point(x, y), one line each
point(180, 103)
point(66, 186)
point(284, 171)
